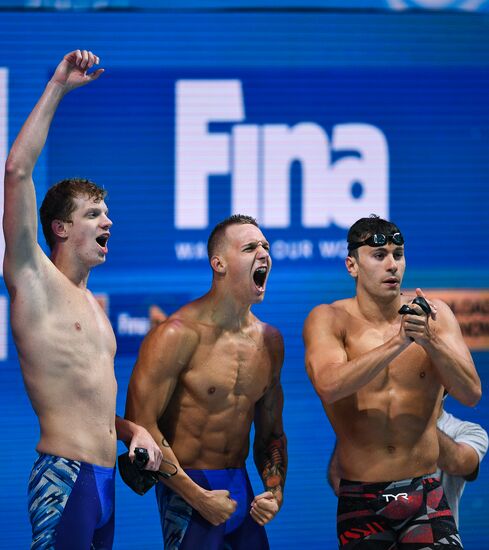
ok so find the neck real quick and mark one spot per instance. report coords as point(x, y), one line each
point(226, 311)
point(75, 273)
point(378, 309)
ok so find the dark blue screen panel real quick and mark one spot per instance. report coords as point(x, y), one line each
point(305, 151)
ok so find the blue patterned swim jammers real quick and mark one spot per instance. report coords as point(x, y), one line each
point(185, 529)
point(71, 504)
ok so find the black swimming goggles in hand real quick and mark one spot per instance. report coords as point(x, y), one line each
point(134, 474)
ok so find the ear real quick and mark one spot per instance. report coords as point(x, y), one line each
point(218, 264)
point(352, 266)
point(60, 228)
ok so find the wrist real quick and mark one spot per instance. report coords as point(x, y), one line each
point(277, 495)
point(126, 429)
point(192, 493)
point(57, 87)
point(401, 342)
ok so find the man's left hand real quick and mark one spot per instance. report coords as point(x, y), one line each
point(264, 508)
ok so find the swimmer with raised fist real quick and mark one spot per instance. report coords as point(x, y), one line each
point(65, 343)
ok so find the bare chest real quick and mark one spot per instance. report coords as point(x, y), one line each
point(412, 369)
point(72, 327)
point(83, 322)
point(230, 367)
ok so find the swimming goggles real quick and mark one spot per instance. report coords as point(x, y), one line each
point(378, 239)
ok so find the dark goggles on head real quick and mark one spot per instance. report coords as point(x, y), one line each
point(378, 239)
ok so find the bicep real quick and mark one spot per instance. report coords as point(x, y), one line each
point(324, 347)
point(147, 394)
point(268, 410)
point(19, 220)
point(154, 377)
point(268, 413)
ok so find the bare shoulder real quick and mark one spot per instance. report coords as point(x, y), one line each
point(445, 318)
point(334, 315)
point(177, 331)
point(167, 348)
point(273, 338)
point(39, 271)
point(274, 345)
point(36, 289)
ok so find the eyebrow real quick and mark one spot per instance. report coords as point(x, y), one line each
point(97, 209)
point(399, 247)
point(255, 244)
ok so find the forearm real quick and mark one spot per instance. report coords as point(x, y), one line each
point(456, 371)
point(334, 382)
point(179, 480)
point(456, 458)
point(271, 463)
point(29, 143)
point(125, 429)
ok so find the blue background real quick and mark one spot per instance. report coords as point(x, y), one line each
point(423, 79)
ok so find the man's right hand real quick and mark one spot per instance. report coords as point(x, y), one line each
point(71, 73)
point(216, 506)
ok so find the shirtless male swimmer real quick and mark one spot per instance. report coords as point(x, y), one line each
point(380, 376)
point(64, 340)
point(202, 378)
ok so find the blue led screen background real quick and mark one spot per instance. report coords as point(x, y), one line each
point(321, 117)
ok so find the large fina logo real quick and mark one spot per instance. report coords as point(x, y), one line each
point(258, 160)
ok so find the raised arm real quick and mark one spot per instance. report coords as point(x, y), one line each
point(332, 374)
point(270, 445)
point(165, 353)
point(20, 212)
point(443, 341)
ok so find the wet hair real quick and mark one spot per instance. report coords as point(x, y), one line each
point(365, 227)
point(216, 238)
point(59, 203)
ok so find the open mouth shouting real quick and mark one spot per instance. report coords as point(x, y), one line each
point(102, 241)
point(260, 277)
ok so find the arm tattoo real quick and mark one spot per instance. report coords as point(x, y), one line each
point(274, 468)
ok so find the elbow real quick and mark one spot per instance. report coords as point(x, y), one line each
point(472, 397)
point(458, 466)
point(327, 395)
point(475, 396)
point(469, 395)
point(325, 389)
point(452, 468)
point(14, 169)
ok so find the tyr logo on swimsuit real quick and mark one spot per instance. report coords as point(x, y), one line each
point(342, 176)
point(389, 497)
